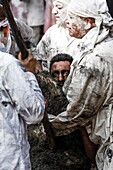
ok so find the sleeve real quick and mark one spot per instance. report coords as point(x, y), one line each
point(27, 35)
point(26, 30)
point(88, 89)
point(25, 93)
point(43, 47)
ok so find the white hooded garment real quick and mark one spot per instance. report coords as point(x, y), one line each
point(89, 86)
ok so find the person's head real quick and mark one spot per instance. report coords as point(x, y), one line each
point(84, 15)
point(60, 10)
point(60, 67)
point(79, 26)
point(4, 28)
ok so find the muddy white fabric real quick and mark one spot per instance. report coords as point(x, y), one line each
point(95, 9)
point(56, 40)
point(7, 46)
point(99, 10)
point(89, 86)
point(11, 45)
point(21, 103)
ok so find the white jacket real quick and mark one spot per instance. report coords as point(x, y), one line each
point(21, 103)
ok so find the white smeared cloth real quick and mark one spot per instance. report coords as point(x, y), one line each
point(5, 47)
point(98, 10)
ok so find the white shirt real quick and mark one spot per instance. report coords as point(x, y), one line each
point(31, 12)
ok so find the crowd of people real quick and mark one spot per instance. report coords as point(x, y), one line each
point(78, 53)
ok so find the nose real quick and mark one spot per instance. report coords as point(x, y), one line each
point(67, 23)
point(60, 77)
point(54, 10)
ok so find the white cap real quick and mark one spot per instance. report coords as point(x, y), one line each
point(96, 9)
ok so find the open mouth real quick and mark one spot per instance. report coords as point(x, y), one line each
point(57, 17)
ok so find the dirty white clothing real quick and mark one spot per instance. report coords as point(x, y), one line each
point(56, 40)
point(27, 35)
point(89, 86)
point(35, 12)
point(31, 12)
point(10, 45)
point(89, 89)
point(21, 103)
point(91, 100)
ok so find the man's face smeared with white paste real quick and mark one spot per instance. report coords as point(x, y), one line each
point(78, 26)
point(60, 11)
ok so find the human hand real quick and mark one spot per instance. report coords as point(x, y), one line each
point(29, 63)
point(46, 103)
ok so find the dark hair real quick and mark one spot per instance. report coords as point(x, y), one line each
point(2, 13)
point(110, 6)
point(60, 57)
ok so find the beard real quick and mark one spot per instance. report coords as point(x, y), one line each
point(60, 83)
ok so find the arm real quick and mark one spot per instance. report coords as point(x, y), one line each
point(25, 92)
point(44, 45)
point(86, 88)
point(42, 52)
point(90, 147)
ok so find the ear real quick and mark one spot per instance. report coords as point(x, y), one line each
point(90, 20)
point(90, 23)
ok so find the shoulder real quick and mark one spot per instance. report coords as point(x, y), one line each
point(25, 29)
point(49, 34)
point(7, 60)
point(52, 29)
point(98, 58)
point(104, 50)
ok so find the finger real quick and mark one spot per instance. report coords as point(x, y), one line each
point(20, 56)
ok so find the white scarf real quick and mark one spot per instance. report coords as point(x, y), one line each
point(98, 10)
point(7, 46)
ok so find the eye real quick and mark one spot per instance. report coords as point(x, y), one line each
point(70, 17)
point(55, 74)
point(65, 73)
point(59, 6)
